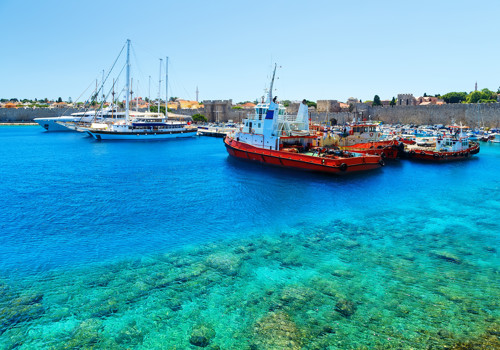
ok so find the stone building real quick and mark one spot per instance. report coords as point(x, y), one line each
point(217, 110)
point(406, 100)
point(328, 106)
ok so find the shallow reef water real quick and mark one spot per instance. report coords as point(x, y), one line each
point(401, 259)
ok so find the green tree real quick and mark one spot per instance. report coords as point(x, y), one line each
point(286, 103)
point(425, 94)
point(199, 118)
point(59, 99)
point(393, 102)
point(376, 101)
point(454, 97)
point(333, 121)
point(173, 98)
point(311, 104)
point(483, 96)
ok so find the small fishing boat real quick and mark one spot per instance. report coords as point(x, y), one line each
point(367, 137)
point(273, 137)
point(387, 149)
point(447, 148)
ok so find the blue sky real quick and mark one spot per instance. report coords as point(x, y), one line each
point(327, 49)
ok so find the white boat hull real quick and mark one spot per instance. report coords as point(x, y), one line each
point(139, 135)
point(56, 123)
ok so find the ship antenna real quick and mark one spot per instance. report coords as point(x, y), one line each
point(270, 96)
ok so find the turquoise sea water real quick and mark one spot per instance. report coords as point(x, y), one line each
point(174, 245)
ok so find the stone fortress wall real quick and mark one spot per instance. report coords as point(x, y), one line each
point(28, 114)
point(482, 114)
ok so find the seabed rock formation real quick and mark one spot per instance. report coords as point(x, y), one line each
point(340, 286)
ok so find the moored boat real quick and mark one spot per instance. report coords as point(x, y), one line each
point(139, 126)
point(387, 149)
point(447, 148)
point(273, 137)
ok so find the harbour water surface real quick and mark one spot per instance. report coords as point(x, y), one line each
point(174, 245)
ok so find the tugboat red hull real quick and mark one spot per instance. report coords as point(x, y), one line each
point(386, 149)
point(334, 165)
point(435, 156)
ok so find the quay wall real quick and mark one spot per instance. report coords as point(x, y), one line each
point(481, 114)
point(28, 114)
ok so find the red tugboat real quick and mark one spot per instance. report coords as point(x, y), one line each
point(271, 136)
point(447, 148)
point(364, 137)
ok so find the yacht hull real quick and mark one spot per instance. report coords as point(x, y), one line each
point(51, 124)
point(301, 161)
point(158, 135)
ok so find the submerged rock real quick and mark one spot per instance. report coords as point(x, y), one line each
point(22, 309)
point(106, 308)
point(130, 335)
point(277, 331)
point(87, 334)
point(444, 255)
point(297, 296)
point(345, 307)
point(201, 335)
point(226, 263)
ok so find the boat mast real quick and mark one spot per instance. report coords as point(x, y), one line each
point(113, 100)
point(149, 93)
point(159, 88)
point(137, 99)
point(270, 96)
point(127, 98)
point(166, 87)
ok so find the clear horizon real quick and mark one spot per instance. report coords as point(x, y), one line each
point(227, 49)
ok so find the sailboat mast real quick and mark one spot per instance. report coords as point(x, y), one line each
point(166, 87)
point(149, 93)
point(159, 88)
point(137, 99)
point(127, 98)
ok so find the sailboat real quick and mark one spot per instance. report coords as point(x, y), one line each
point(139, 126)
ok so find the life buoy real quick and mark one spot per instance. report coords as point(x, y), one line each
point(343, 167)
point(371, 134)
